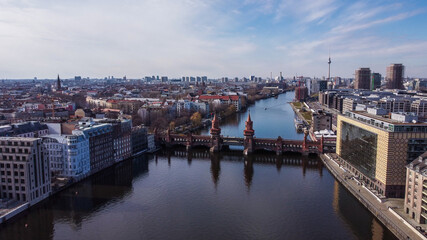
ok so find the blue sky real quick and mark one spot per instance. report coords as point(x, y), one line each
point(209, 37)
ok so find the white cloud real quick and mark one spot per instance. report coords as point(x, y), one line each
point(195, 37)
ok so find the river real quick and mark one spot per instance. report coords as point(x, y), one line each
point(178, 195)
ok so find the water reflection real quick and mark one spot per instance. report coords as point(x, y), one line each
point(215, 169)
point(78, 203)
point(362, 223)
point(248, 172)
point(279, 161)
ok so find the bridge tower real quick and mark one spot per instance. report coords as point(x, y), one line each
point(215, 135)
point(305, 150)
point(248, 141)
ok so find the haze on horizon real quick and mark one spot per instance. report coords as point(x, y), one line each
point(215, 38)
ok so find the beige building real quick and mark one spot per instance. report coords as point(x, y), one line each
point(416, 189)
point(376, 149)
point(24, 171)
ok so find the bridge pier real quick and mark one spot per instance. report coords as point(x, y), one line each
point(247, 151)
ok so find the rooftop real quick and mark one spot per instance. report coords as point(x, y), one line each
point(419, 165)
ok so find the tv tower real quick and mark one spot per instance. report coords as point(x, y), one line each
point(329, 63)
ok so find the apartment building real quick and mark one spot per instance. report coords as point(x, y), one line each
point(101, 146)
point(68, 155)
point(415, 204)
point(121, 134)
point(24, 171)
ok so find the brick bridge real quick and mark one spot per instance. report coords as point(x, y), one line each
point(216, 142)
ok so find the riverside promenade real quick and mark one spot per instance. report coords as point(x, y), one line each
point(381, 209)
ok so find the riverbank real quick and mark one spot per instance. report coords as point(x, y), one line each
point(298, 109)
point(383, 210)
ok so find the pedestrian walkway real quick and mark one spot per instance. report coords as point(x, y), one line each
point(382, 210)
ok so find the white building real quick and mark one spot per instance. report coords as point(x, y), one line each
point(68, 155)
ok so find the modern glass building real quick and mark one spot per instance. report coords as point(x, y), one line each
point(376, 149)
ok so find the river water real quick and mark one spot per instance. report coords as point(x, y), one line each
point(179, 195)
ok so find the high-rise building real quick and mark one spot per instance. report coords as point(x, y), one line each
point(394, 78)
point(362, 78)
point(24, 171)
point(375, 81)
point(376, 149)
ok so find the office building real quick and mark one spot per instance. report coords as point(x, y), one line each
point(24, 171)
point(376, 149)
point(375, 81)
point(394, 78)
point(362, 78)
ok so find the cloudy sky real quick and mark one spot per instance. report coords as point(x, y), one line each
point(98, 38)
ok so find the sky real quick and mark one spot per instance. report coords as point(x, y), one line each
point(214, 38)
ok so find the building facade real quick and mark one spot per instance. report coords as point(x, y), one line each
point(100, 145)
point(139, 140)
point(394, 78)
point(24, 171)
point(121, 133)
point(415, 204)
point(321, 121)
point(362, 78)
point(68, 155)
point(377, 149)
point(376, 81)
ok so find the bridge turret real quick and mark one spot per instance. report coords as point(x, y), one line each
point(305, 149)
point(216, 141)
point(215, 130)
point(249, 133)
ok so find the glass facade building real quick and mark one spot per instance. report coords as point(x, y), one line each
point(359, 148)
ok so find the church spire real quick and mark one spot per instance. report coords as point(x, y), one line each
point(58, 84)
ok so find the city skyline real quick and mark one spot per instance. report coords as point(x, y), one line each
point(216, 39)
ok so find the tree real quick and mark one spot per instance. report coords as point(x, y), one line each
point(196, 119)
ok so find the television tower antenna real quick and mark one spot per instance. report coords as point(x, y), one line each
point(329, 63)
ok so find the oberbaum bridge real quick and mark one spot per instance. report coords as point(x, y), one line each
point(216, 142)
